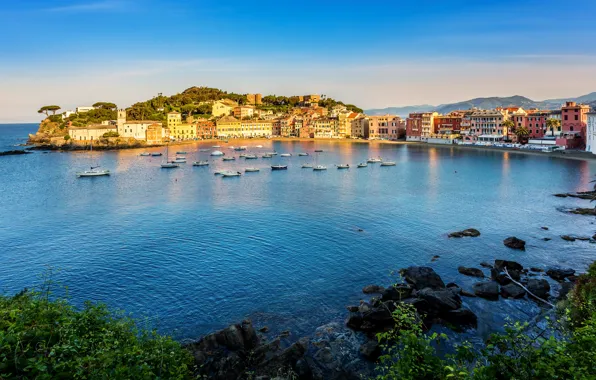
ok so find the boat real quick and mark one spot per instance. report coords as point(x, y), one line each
point(319, 167)
point(251, 157)
point(307, 166)
point(252, 170)
point(258, 146)
point(216, 146)
point(345, 166)
point(203, 150)
point(267, 156)
point(230, 173)
point(388, 163)
point(179, 160)
point(318, 150)
point(217, 153)
point(272, 153)
point(145, 154)
point(218, 172)
point(303, 154)
point(169, 164)
point(242, 155)
point(239, 148)
point(181, 152)
point(279, 167)
point(285, 155)
point(93, 171)
point(156, 154)
point(362, 165)
point(200, 163)
point(374, 160)
point(229, 158)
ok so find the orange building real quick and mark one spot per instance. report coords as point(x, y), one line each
point(206, 129)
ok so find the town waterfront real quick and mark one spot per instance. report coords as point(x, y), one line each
point(194, 252)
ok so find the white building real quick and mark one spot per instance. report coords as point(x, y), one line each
point(136, 129)
point(591, 133)
point(84, 109)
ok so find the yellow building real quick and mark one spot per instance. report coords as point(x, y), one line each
point(183, 131)
point(174, 119)
point(326, 128)
point(223, 107)
point(156, 134)
point(228, 126)
point(345, 120)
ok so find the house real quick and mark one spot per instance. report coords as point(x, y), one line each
point(326, 127)
point(359, 127)
point(156, 134)
point(383, 127)
point(206, 129)
point(487, 125)
point(136, 129)
point(223, 107)
point(84, 109)
point(574, 120)
point(243, 112)
point(91, 132)
point(228, 126)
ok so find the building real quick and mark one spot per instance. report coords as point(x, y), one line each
point(447, 124)
point(254, 99)
point(591, 133)
point(243, 112)
point(84, 109)
point(223, 107)
point(228, 126)
point(310, 100)
point(536, 124)
point(183, 131)
point(345, 123)
point(414, 126)
point(359, 127)
point(136, 129)
point(487, 126)
point(156, 134)
point(383, 127)
point(174, 119)
point(91, 132)
point(206, 129)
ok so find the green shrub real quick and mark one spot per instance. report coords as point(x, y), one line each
point(45, 339)
point(111, 134)
point(66, 137)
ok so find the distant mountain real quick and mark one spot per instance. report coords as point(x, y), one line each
point(486, 103)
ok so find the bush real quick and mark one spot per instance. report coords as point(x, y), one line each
point(44, 339)
point(55, 118)
point(111, 134)
point(66, 137)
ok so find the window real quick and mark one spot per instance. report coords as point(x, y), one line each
point(565, 117)
point(576, 117)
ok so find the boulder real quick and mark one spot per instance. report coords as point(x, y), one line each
point(484, 264)
point(352, 309)
point(423, 277)
point(372, 289)
point(474, 272)
point(566, 287)
point(421, 305)
point(512, 291)
point(560, 274)
point(567, 238)
point(540, 287)
point(435, 258)
point(461, 318)
point(470, 232)
point(371, 350)
point(396, 292)
point(487, 289)
point(515, 243)
point(547, 239)
point(510, 265)
point(544, 228)
point(265, 329)
point(537, 270)
point(441, 300)
point(465, 293)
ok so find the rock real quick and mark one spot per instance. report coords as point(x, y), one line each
point(470, 232)
point(284, 334)
point(461, 317)
point(249, 335)
point(582, 238)
point(396, 292)
point(544, 228)
point(584, 211)
point(13, 152)
point(364, 307)
point(512, 291)
point(540, 287)
point(352, 309)
point(421, 305)
point(370, 350)
point(452, 285)
point(474, 272)
point(572, 278)
point(515, 243)
point(501, 279)
point(423, 277)
point(487, 289)
point(372, 289)
point(566, 287)
point(567, 238)
point(510, 265)
point(535, 269)
point(560, 274)
point(435, 258)
point(441, 300)
point(547, 239)
point(561, 195)
point(465, 293)
point(484, 264)
point(265, 329)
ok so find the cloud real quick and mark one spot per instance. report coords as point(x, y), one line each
point(106, 5)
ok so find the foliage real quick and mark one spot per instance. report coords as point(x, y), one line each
point(553, 124)
point(509, 124)
point(55, 118)
point(522, 132)
point(106, 106)
point(565, 349)
point(111, 134)
point(94, 116)
point(45, 109)
point(66, 137)
point(43, 339)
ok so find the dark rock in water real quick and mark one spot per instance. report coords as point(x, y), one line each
point(484, 264)
point(510, 265)
point(567, 238)
point(364, 307)
point(265, 329)
point(423, 277)
point(371, 350)
point(441, 300)
point(561, 195)
point(352, 309)
point(421, 305)
point(535, 269)
point(515, 243)
point(584, 211)
point(547, 239)
point(544, 228)
point(452, 285)
point(501, 279)
point(540, 287)
point(14, 152)
point(372, 289)
point(435, 258)
point(396, 292)
point(582, 238)
point(512, 291)
point(560, 274)
point(284, 334)
point(474, 272)
point(487, 289)
point(465, 293)
point(470, 232)
point(461, 317)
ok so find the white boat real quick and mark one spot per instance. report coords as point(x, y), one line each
point(230, 173)
point(179, 160)
point(229, 158)
point(303, 154)
point(319, 167)
point(272, 153)
point(145, 154)
point(200, 163)
point(242, 155)
point(252, 170)
point(362, 165)
point(169, 164)
point(345, 166)
point(251, 156)
point(158, 154)
point(388, 163)
point(374, 160)
point(216, 146)
point(258, 146)
point(285, 155)
point(240, 148)
point(93, 171)
point(217, 153)
point(307, 166)
point(218, 172)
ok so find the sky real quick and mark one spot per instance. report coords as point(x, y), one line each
point(373, 54)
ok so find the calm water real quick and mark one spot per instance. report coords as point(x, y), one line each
point(193, 252)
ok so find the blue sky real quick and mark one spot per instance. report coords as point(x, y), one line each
point(374, 54)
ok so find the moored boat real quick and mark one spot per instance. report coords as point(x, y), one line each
point(217, 153)
point(267, 156)
point(252, 170)
point(344, 166)
point(279, 167)
point(258, 146)
point(145, 154)
point(251, 157)
point(238, 148)
point(181, 152)
point(230, 173)
point(285, 155)
point(200, 163)
point(373, 160)
point(156, 154)
point(307, 166)
point(179, 160)
point(169, 165)
point(229, 158)
point(362, 165)
point(388, 163)
point(303, 154)
point(318, 150)
point(93, 172)
point(319, 167)
point(242, 155)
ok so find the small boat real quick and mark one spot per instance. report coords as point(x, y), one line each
point(156, 154)
point(218, 172)
point(285, 155)
point(216, 146)
point(169, 165)
point(267, 156)
point(251, 157)
point(307, 166)
point(229, 158)
point(181, 152)
point(346, 166)
point(388, 163)
point(252, 170)
point(319, 167)
point(279, 167)
point(203, 150)
point(230, 173)
point(272, 153)
point(374, 160)
point(303, 154)
point(217, 153)
point(362, 165)
point(200, 163)
point(240, 148)
point(179, 160)
point(145, 154)
point(93, 172)
point(242, 155)
point(258, 146)
point(318, 150)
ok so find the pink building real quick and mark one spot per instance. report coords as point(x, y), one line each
point(383, 127)
point(414, 127)
point(535, 123)
point(574, 118)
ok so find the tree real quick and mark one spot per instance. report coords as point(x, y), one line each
point(105, 106)
point(510, 125)
point(522, 134)
point(553, 124)
point(188, 109)
point(45, 109)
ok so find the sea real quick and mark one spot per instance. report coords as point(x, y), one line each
point(188, 252)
